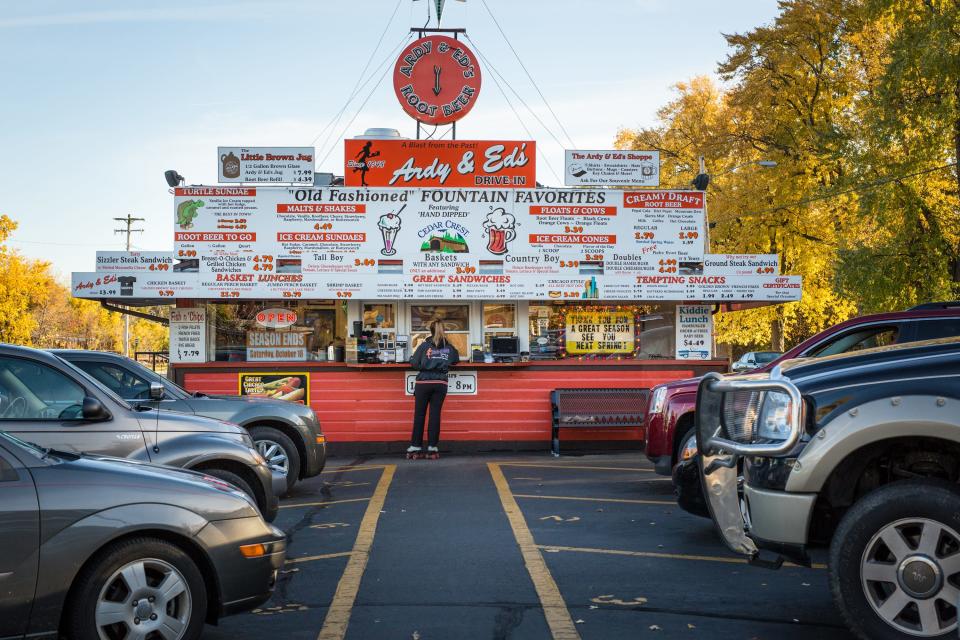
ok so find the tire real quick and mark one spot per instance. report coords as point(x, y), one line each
point(234, 479)
point(678, 447)
point(908, 514)
point(102, 593)
point(274, 444)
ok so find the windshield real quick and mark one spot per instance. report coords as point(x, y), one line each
point(763, 357)
point(96, 383)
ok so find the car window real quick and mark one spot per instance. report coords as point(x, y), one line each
point(939, 328)
point(763, 357)
point(120, 380)
point(33, 391)
point(857, 340)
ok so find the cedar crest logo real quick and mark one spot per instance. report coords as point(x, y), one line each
point(444, 237)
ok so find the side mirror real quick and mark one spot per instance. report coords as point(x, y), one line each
point(157, 392)
point(94, 410)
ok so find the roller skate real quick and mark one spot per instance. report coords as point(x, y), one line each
point(433, 453)
point(414, 453)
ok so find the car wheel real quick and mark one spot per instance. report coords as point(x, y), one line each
point(279, 451)
point(232, 478)
point(895, 561)
point(686, 445)
point(138, 588)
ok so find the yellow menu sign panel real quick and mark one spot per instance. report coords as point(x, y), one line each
point(599, 332)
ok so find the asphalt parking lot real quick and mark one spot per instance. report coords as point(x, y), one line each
point(505, 546)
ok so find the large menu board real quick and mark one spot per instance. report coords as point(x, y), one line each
point(390, 243)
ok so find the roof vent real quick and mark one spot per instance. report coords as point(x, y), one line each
point(380, 133)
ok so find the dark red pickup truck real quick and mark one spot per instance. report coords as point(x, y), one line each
point(670, 412)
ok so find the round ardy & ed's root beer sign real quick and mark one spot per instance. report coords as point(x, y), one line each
point(437, 80)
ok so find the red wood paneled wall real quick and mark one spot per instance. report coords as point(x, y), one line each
point(512, 404)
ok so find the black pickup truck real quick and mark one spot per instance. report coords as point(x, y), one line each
point(860, 452)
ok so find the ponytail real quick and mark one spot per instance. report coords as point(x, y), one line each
point(438, 334)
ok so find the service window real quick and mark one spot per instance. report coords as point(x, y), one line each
point(251, 331)
point(456, 323)
point(33, 391)
point(499, 321)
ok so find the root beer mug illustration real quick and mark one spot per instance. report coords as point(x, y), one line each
point(389, 225)
point(500, 228)
point(230, 165)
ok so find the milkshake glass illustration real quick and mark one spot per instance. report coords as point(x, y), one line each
point(389, 225)
point(500, 228)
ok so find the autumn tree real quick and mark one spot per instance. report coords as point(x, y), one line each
point(23, 285)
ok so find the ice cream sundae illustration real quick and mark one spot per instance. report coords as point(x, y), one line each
point(389, 225)
point(500, 228)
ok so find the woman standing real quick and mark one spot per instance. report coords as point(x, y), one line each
point(432, 360)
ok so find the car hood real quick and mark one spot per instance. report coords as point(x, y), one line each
point(127, 481)
point(183, 422)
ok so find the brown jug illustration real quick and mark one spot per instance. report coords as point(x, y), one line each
point(231, 165)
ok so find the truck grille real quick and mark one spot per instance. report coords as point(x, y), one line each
point(740, 411)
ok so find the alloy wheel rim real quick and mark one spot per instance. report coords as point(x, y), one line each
point(274, 454)
point(144, 600)
point(910, 572)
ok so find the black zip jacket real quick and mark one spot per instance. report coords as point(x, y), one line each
point(433, 362)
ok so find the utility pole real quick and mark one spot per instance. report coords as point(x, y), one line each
point(128, 221)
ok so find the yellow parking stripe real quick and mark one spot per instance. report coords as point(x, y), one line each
point(321, 504)
point(338, 615)
point(620, 500)
point(573, 468)
point(657, 554)
point(554, 608)
point(326, 556)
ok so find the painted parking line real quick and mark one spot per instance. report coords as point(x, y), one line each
point(669, 503)
point(338, 615)
point(550, 548)
point(321, 504)
point(554, 608)
point(575, 468)
point(325, 556)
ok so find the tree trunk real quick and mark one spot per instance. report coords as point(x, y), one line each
point(777, 342)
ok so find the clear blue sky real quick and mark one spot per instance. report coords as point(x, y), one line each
point(101, 96)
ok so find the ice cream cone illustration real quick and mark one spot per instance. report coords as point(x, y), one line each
point(501, 229)
point(389, 225)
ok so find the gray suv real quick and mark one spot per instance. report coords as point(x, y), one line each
point(99, 548)
point(287, 434)
point(51, 403)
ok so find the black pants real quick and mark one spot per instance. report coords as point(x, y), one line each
point(423, 394)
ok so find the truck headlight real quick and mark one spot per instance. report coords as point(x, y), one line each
point(657, 399)
point(774, 421)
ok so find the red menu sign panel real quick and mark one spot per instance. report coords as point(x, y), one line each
point(440, 163)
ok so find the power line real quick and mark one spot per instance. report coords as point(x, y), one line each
point(355, 90)
point(529, 75)
point(487, 62)
point(367, 99)
point(515, 113)
point(863, 187)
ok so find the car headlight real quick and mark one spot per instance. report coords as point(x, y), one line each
point(774, 420)
point(657, 399)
